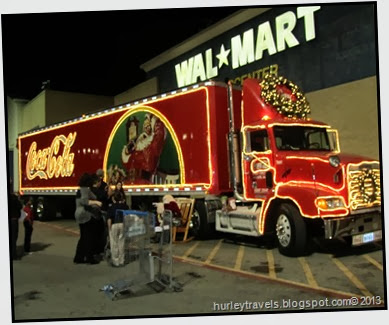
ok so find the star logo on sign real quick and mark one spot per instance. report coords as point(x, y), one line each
point(223, 56)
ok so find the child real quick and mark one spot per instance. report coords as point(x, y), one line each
point(28, 222)
point(116, 229)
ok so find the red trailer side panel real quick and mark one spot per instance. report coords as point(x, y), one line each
point(178, 146)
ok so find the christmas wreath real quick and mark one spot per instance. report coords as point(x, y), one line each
point(368, 186)
point(285, 96)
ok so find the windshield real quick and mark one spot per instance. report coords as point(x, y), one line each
point(301, 138)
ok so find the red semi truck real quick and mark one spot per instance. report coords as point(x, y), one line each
point(251, 157)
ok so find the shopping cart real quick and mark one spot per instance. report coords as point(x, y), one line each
point(135, 232)
point(148, 265)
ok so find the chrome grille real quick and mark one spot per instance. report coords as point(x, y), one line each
point(364, 185)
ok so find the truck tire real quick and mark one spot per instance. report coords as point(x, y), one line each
point(290, 230)
point(200, 226)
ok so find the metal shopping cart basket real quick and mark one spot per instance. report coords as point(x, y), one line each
point(147, 264)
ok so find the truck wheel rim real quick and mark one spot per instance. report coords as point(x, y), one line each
point(40, 210)
point(283, 230)
point(195, 222)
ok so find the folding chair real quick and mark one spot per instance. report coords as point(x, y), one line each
point(186, 207)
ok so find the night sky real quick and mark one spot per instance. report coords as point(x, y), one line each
point(93, 52)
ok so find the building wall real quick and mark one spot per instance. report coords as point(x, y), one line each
point(333, 62)
point(352, 109)
point(49, 107)
point(14, 108)
point(33, 113)
point(145, 89)
point(61, 106)
point(337, 44)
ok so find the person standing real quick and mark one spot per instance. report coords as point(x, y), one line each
point(112, 191)
point(86, 205)
point(100, 190)
point(116, 229)
point(27, 223)
point(14, 212)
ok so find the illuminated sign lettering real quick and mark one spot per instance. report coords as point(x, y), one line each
point(48, 163)
point(248, 47)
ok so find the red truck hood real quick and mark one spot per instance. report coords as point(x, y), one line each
point(314, 167)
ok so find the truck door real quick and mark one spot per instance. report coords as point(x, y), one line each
point(257, 164)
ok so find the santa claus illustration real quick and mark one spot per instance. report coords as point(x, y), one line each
point(141, 155)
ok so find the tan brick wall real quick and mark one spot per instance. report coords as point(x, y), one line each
point(351, 108)
point(62, 106)
point(34, 113)
point(145, 89)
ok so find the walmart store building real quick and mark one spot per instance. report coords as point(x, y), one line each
point(329, 51)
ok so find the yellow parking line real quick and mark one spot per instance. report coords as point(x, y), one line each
point(374, 262)
point(352, 277)
point(190, 250)
point(308, 273)
point(239, 258)
point(213, 252)
point(270, 263)
point(321, 290)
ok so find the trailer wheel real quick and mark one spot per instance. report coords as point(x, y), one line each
point(44, 209)
point(200, 227)
point(290, 229)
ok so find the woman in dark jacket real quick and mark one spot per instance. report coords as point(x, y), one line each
point(86, 204)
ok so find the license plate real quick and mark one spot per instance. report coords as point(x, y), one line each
point(367, 238)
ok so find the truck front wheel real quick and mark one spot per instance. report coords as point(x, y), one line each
point(290, 229)
point(200, 227)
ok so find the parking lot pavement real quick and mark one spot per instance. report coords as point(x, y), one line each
point(47, 285)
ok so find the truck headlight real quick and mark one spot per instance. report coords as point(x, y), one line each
point(330, 203)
